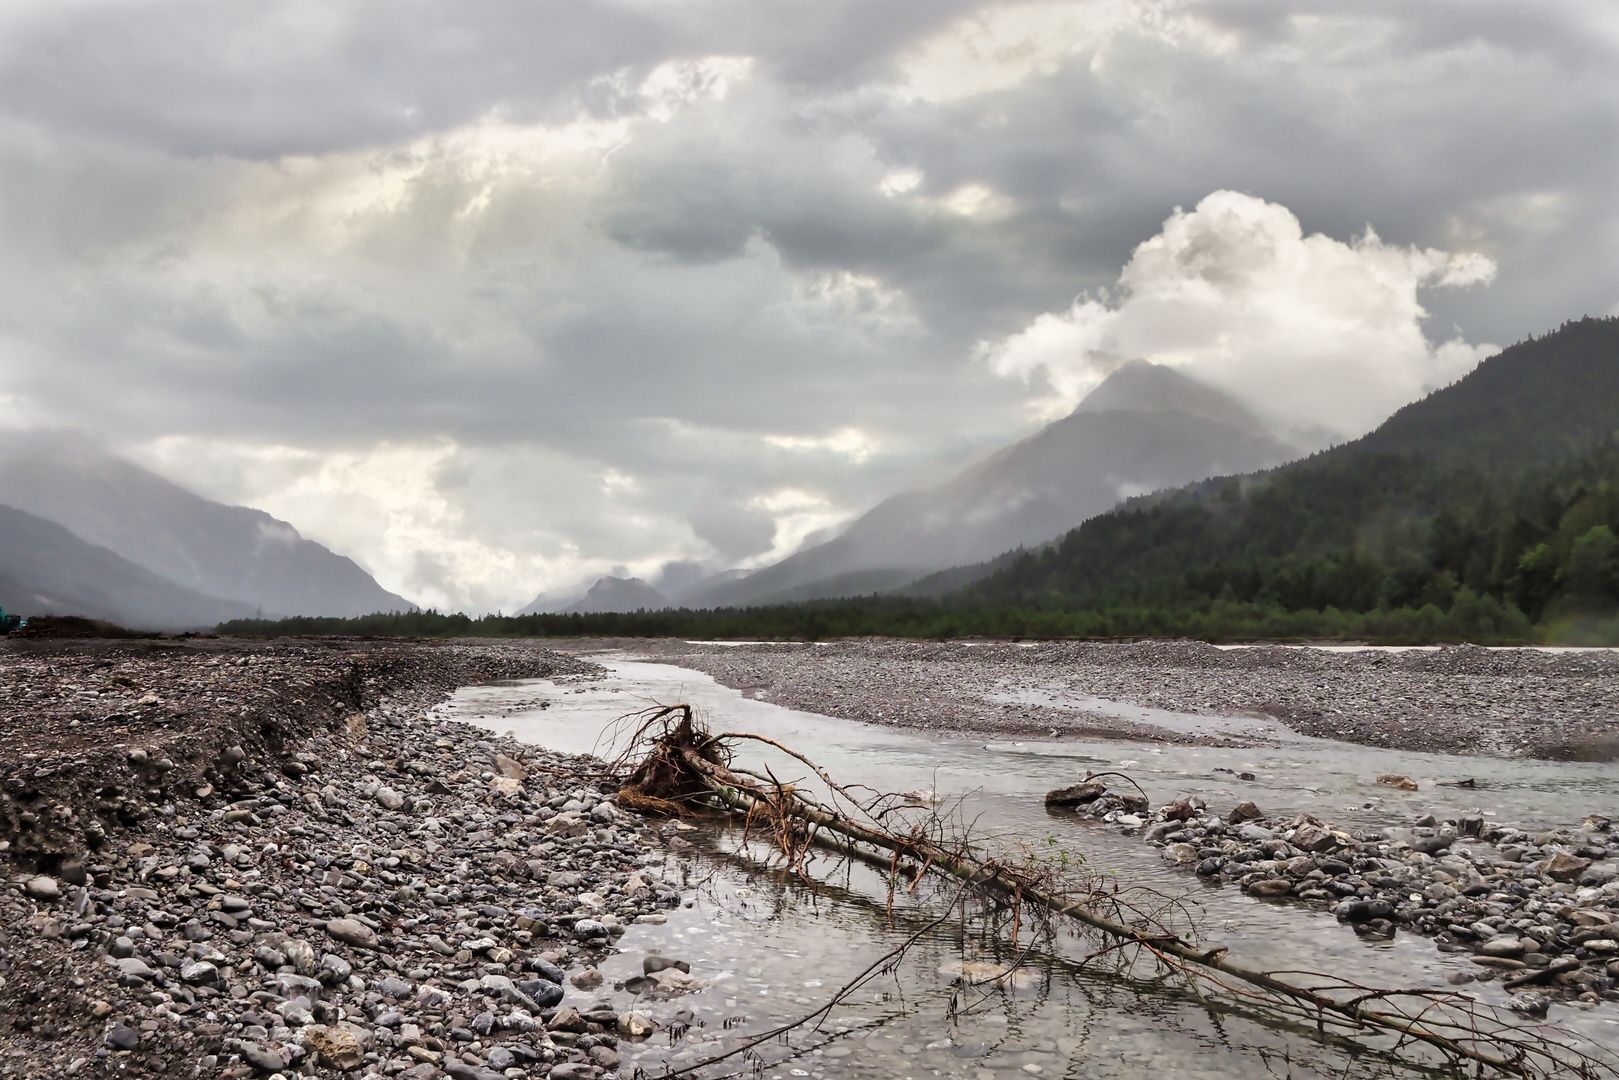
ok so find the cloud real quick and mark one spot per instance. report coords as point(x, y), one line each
point(491, 296)
point(735, 531)
point(1324, 338)
point(849, 442)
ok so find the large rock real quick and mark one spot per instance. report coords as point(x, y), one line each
point(1180, 853)
point(43, 888)
point(544, 992)
point(1184, 808)
point(1505, 945)
point(1313, 838)
point(1270, 887)
point(567, 1019)
point(503, 985)
point(1077, 794)
point(651, 965)
point(301, 955)
point(1244, 811)
point(1561, 867)
point(1364, 910)
point(290, 984)
point(457, 1070)
point(199, 972)
point(676, 980)
point(133, 967)
point(505, 766)
point(352, 932)
point(337, 1047)
point(389, 799)
point(266, 1059)
point(574, 1070)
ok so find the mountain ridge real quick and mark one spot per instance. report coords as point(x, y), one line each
point(231, 552)
point(50, 571)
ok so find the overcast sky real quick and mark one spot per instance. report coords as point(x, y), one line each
point(498, 295)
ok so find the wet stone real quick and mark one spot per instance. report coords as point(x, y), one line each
point(352, 932)
point(393, 987)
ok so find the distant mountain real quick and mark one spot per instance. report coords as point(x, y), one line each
point(225, 551)
point(1144, 428)
point(46, 570)
point(619, 594)
point(1501, 489)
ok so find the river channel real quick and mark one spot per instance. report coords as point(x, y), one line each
point(770, 947)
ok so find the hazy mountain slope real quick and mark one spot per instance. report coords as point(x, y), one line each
point(1483, 486)
point(619, 594)
point(1146, 427)
point(46, 570)
point(226, 551)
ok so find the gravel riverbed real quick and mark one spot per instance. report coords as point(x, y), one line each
point(266, 859)
point(258, 860)
point(1538, 910)
point(1460, 700)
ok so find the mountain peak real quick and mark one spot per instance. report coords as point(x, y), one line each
point(621, 595)
point(1147, 427)
point(1144, 387)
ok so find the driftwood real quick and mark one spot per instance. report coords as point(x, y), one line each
point(683, 768)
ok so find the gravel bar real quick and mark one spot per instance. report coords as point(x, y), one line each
point(1538, 910)
point(1458, 700)
point(234, 860)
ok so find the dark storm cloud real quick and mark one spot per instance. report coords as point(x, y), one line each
point(198, 77)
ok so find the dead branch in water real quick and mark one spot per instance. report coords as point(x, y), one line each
point(683, 765)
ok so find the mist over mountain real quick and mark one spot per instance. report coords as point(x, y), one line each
point(231, 552)
point(46, 570)
point(1146, 427)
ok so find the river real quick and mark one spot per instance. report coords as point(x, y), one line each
point(772, 947)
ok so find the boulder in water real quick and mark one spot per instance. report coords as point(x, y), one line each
point(1076, 794)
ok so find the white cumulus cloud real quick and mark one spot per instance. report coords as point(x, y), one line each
point(1322, 338)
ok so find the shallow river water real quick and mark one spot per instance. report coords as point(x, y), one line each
point(772, 948)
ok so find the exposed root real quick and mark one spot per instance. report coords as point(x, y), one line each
point(633, 798)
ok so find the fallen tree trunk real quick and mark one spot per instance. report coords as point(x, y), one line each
point(684, 765)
